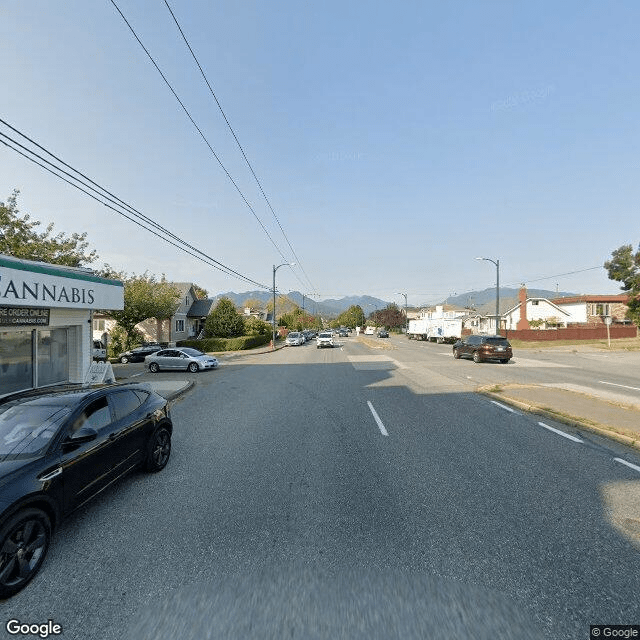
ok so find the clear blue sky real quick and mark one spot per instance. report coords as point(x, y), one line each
point(395, 141)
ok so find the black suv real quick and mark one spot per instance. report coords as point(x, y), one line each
point(59, 447)
point(482, 348)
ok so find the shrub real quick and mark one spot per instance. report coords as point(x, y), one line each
point(226, 344)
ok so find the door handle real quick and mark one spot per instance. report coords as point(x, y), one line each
point(50, 475)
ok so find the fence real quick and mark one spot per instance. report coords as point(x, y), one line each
point(573, 333)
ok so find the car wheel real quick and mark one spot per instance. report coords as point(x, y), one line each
point(476, 357)
point(124, 359)
point(193, 367)
point(153, 367)
point(159, 449)
point(456, 354)
point(24, 542)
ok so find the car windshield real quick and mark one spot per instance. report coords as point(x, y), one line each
point(192, 352)
point(26, 429)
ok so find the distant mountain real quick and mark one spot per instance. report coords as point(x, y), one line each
point(485, 301)
point(327, 308)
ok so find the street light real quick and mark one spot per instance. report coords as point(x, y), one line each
point(497, 263)
point(284, 264)
point(406, 317)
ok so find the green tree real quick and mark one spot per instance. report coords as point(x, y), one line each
point(624, 267)
point(20, 238)
point(224, 321)
point(352, 317)
point(255, 327)
point(144, 297)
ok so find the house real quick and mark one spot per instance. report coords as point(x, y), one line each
point(534, 313)
point(186, 322)
point(593, 309)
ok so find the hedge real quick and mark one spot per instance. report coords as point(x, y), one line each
point(225, 344)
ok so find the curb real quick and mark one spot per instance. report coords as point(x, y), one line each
point(571, 421)
point(180, 392)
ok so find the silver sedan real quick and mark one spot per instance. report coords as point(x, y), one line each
point(183, 358)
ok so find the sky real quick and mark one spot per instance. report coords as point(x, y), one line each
point(394, 142)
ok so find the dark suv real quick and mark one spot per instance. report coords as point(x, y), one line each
point(482, 348)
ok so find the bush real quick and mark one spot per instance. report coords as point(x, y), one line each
point(226, 344)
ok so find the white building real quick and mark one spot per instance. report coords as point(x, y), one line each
point(45, 321)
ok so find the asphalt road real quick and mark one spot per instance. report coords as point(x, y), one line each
point(352, 493)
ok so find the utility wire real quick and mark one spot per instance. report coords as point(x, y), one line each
point(215, 155)
point(235, 137)
point(190, 249)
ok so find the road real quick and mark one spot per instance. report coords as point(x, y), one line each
point(356, 493)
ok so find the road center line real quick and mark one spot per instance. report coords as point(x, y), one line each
point(376, 417)
point(504, 406)
point(633, 466)
point(624, 386)
point(560, 433)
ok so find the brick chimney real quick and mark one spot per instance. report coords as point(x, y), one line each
point(523, 323)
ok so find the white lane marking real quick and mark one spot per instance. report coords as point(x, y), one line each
point(633, 466)
point(560, 433)
point(504, 406)
point(376, 417)
point(135, 375)
point(624, 386)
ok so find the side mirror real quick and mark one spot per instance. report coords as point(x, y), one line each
point(85, 434)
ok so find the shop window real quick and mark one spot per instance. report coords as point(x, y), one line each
point(53, 357)
point(16, 361)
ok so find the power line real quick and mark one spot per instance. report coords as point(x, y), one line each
point(186, 247)
point(193, 122)
point(235, 137)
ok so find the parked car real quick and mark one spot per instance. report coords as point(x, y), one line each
point(59, 447)
point(343, 333)
point(183, 358)
point(369, 331)
point(383, 333)
point(324, 339)
point(99, 352)
point(482, 348)
point(294, 339)
point(139, 353)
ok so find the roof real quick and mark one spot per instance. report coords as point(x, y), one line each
point(620, 297)
point(200, 308)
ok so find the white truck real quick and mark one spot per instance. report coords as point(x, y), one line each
point(435, 329)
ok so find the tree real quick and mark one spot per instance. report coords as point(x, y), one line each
point(144, 297)
point(352, 317)
point(390, 317)
point(253, 303)
point(200, 292)
point(624, 267)
point(19, 238)
point(255, 327)
point(224, 321)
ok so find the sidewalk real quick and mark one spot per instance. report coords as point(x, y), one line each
point(605, 414)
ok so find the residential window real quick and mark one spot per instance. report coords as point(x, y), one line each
point(179, 325)
point(186, 300)
point(535, 302)
point(98, 325)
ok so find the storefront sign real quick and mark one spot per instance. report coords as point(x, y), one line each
point(38, 285)
point(23, 317)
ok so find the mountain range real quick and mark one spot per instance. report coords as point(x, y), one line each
point(481, 301)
